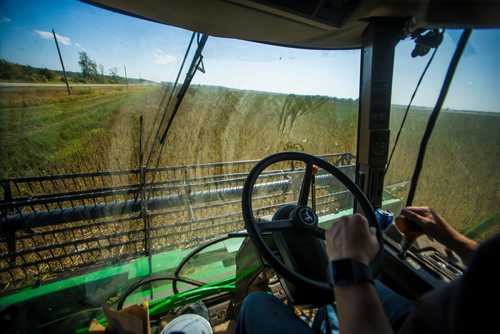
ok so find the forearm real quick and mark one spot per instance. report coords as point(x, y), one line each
point(463, 246)
point(360, 310)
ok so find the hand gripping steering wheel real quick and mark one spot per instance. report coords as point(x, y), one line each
point(303, 218)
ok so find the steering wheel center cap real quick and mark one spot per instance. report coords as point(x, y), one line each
point(307, 217)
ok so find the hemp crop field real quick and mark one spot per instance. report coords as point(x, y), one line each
point(43, 132)
point(460, 176)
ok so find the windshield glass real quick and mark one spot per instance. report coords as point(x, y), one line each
point(254, 100)
point(460, 176)
point(87, 181)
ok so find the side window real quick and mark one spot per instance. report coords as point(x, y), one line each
point(460, 177)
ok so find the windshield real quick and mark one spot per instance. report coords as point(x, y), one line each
point(460, 176)
point(86, 179)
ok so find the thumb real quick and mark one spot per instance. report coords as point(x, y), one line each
point(409, 233)
point(410, 237)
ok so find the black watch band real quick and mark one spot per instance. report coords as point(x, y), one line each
point(347, 272)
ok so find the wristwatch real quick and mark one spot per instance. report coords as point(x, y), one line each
point(347, 272)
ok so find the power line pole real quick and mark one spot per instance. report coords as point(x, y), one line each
point(62, 63)
point(126, 80)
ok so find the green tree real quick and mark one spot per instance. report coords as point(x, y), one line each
point(113, 72)
point(45, 72)
point(88, 66)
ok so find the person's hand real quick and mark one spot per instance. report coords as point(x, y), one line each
point(415, 221)
point(352, 238)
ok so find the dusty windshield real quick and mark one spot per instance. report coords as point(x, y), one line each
point(460, 176)
point(89, 177)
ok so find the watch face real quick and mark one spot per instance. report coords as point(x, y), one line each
point(342, 272)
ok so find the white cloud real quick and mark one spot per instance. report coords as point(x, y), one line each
point(4, 19)
point(163, 58)
point(80, 46)
point(48, 35)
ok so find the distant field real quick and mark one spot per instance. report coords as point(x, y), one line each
point(219, 124)
point(42, 131)
point(461, 174)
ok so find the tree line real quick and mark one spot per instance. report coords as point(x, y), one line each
point(94, 73)
point(91, 72)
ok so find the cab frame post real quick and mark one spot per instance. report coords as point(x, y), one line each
point(377, 61)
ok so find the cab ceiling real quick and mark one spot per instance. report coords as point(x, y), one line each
point(331, 24)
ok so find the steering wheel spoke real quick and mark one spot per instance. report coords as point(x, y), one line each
point(281, 224)
point(306, 184)
point(318, 232)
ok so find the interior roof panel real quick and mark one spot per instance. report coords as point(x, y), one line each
point(269, 21)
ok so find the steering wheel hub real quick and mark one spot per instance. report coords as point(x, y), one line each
point(305, 217)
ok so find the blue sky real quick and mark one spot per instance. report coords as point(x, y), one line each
point(153, 51)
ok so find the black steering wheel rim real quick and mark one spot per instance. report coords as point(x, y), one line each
point(254, 231)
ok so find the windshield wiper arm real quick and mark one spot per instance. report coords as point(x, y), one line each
point(195, 65)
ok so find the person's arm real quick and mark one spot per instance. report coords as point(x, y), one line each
point(358, 306)
point(360, 310)
point(415, 221)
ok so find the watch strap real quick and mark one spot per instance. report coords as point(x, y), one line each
point(347, 272)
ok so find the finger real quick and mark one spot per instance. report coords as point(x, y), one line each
point(413, 216)
point(329, 232)
point(344, 219)
point(408, 228)
point(360, 219)
point(402, 221)
point(334, 229)
point(437, 216)
point(359, 216)
point(373, 236)
point(410, 238)
point(419, 209)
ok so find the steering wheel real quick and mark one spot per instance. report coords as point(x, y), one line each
point(302, 218)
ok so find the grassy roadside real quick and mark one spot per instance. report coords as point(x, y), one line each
point(13, 97)
point(44, 137)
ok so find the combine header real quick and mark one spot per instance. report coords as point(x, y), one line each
point(54, 227)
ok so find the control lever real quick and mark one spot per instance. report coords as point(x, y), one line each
point(313, 187)
point(411, 231)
